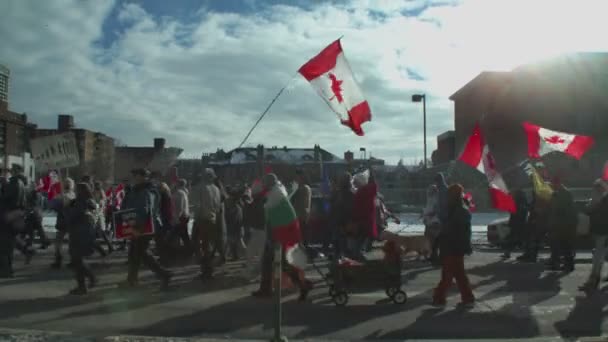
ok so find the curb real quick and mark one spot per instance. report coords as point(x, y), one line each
point(21, 335)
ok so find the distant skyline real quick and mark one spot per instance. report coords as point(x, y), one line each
point(200, 72)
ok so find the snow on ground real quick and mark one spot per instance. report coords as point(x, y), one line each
point(410, 224)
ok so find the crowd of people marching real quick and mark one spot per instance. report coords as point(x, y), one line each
point(245, 222)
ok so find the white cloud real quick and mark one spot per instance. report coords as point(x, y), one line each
point(202, 83)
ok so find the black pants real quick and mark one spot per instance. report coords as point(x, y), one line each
point(267, 269)
point(7, 246)
point(435, 249)
point(562, 249)
point(81, 270)
point(138, 254)
point(34, 226)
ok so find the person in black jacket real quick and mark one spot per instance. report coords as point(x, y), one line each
point(12, 206)
point(597, 210)
point(455, 243)
point(81, 217)
point(144, 199)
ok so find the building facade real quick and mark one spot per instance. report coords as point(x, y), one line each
point(95, 150)
point(5, 75)
point(14, 141)
point(566, 94)
point(158, 158)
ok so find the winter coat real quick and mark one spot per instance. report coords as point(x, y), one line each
point(342, 207)
point(181, 205)
point(145, 199)
point(81, 219)
point(254, 215)
point(563, 216)
point(234, 218)
point(598, 216)
point(208, 201)
point(364, 210)
point(61, 204)
point(301, 201)
point(167, 211)
point(455, 238)
point(13, 194)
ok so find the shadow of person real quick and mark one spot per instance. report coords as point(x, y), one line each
point(585, 318)
point(461, 324)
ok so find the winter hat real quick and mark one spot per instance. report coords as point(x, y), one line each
point(361, 178)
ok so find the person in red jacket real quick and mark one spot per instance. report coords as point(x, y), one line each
point(364, 212)
point(455, 243)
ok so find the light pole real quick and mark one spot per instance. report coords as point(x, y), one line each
point(422, 98)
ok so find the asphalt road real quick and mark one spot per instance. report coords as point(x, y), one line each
point(514, 301)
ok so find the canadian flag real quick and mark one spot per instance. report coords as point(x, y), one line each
point(330, 75)
point(542, 141)
point(477, 155)
point(119, 194)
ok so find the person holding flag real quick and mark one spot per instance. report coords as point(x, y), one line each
point(283, 227)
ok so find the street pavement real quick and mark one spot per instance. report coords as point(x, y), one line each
point(514, 301)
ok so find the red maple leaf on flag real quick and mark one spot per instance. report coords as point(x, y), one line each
point(555, 140)
point(336, 88)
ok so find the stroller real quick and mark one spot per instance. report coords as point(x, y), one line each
point(348, 276)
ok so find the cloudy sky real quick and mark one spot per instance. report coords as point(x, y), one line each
point(200, 72)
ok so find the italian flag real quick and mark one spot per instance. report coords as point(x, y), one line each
point(281, 219)
point(542, 141)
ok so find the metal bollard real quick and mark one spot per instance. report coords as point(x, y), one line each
point(278, 314)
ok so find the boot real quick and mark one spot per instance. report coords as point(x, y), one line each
point(57, 263)
point(590, 285)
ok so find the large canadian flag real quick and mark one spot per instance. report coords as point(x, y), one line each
point(542, 141)
point(477, 155)
point(330, 75)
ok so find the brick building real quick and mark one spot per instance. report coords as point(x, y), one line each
point(14, 140)
point(95, 150)
point(566, 93)
point(157, 158)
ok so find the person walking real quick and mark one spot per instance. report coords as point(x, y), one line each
point(99, 196)
point(60, 205)
point(144, 199)
point(563, 219)
point(363, 213)
point(302, 201)
point(254, 218)
point(430, 218)
point(278, 211)
point(341, 214)
point(207, 221)
point(455, 240)
point(81, 215)
point(12, 211)
point(597, 209)
point(234, 223)
point(181, 215)
point(33, 219)
point(442, 213)
point(517, 223)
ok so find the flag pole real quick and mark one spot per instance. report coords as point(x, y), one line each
point(266, 110)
